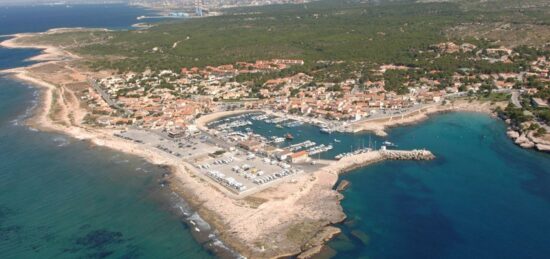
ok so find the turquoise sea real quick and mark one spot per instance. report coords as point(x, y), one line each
point(483, 197)
point(62, 198)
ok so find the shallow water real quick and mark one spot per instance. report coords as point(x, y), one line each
point(62, 198)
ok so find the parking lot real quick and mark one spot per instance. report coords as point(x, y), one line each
point(244, 171)
point(187, 148)
point(236, 169)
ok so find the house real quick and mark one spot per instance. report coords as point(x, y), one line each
point(300, 156)
point(539, 103)
point(250, 145)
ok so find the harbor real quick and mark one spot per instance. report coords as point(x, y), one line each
point(246, 153)
point(249, 152)
point(296, 133)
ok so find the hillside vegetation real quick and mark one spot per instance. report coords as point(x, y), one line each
point(325, 30)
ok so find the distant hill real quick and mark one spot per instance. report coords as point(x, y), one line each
point(59, 2)
point(494, 4)
point(209, 4)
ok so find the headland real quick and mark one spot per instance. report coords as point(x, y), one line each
point(282, 214)
point(289, 217)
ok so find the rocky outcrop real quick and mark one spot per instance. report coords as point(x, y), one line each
point(528, 140)
point(543, 147)
point(512, 134)
point(342, 186)
point(524, 142)
point(315, 245)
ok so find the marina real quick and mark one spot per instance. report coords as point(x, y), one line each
point(243, 157)
point(295, 135)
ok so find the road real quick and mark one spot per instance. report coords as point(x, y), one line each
point(515, 99)
point(106, 97)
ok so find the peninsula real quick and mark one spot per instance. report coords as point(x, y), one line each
point(185, 105)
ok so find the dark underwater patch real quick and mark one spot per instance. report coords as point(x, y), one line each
point(428, 231)
point(10, 232)
point(99, 243)
point(538, 185)
point(100, 239)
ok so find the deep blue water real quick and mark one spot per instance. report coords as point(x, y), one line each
point(17, 19)
point(483, 197)
point(62, 198)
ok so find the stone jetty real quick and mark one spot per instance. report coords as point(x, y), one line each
point(415, 154)
point(362, 159)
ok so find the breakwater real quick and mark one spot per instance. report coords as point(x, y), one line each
point(414, 154)
point(362, 159)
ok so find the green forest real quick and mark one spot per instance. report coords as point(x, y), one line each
point(325, 30)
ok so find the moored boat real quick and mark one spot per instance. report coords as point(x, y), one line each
point(326, 130)
point(289, 136)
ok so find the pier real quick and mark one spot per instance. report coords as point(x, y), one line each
point(355, 161)
point(414, 154)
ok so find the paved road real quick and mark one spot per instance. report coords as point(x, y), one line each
point(106, 97)
point(515, 99)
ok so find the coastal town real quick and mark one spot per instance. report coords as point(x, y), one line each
point(202, 115)
point(256, 146)
point(172, 100)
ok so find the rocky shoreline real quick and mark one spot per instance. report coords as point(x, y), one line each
point(528, 140)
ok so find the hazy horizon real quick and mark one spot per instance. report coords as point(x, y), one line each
point(30, 2)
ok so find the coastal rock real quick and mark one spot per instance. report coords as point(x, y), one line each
point(342, 186)
point(521, 139)
point(543, 147)
point(527, 144)
point(315, 245)
point(512, 134)
point(537, 140)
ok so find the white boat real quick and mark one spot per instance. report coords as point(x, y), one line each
point(326, 130)
point(389, 144)
point(337, 140)
point(278, 140)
